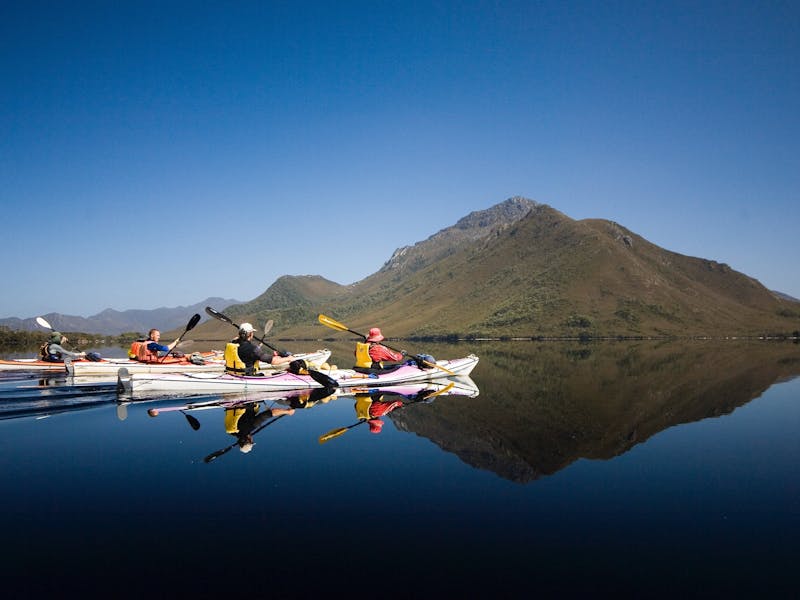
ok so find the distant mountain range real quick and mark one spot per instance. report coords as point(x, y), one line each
point(517, 269)
point(114, 322)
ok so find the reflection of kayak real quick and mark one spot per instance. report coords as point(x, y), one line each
point(214, 363)
point(345, 378)
point(456, 386)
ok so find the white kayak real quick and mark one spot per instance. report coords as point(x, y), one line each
point(213, 364)
point(29, 364)
point(283, 381)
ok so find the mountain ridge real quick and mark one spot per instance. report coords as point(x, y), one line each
point(114, 322)
point(523, 268)
point(520, 268)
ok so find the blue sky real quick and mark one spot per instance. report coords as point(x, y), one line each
point(157, 153)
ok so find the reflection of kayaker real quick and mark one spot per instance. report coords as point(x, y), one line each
point(373, 404)
point(243, 421)
point(371, 407)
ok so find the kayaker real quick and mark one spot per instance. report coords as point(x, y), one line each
point(53, 351)
point(242, 356)
point(154, 345)
point(371, 354)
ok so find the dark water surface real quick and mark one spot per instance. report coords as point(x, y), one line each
point(635, 468)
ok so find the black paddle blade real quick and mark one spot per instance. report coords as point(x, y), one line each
point(193, 321)
point(324, 380)
point(218, 315)
point(193, 422)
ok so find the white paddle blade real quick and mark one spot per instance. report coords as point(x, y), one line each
point(43, 322)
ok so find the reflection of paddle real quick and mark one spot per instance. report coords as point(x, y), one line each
point(318, 376)
point(333, 324)
point(333, 433)
point(195, 424)
point(190, 325)
point(218, 453)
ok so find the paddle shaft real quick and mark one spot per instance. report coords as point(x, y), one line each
point(190, 325)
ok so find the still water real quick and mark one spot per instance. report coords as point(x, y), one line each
point(640, 468)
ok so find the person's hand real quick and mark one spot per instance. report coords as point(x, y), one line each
point(403, 352)
point(284, 353)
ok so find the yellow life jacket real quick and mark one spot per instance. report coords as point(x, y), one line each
point(363, 359)
point(234, 364)
point(363, 403)
point(232, 416)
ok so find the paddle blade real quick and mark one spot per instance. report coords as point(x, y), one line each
point(192, 322)
point(332, 434)
point(193, 422)
point(217, 454)
point(332, 323)
point(218, 315)
point(268, 327)
point(324, 380)
point(43, 322)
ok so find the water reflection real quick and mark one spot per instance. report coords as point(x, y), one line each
point(246, 414)
point(546, 405)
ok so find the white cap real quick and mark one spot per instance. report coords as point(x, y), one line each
point(246, 328)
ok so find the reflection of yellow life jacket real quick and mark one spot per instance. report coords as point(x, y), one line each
point(232, 416)
point(363, 359)
point(233, 364)
point(139, 351)
point(363, 403)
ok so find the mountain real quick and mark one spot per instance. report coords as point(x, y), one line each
point(114, 322)
point(524, 269)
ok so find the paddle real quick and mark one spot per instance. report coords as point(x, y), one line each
point(318, 376)
point(195, 424)
point(192, 420)
point(189, 326)
point(218, 453)
point(333, 433)
point(334, 324)
point(43, 322)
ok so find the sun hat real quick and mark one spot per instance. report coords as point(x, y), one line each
point(56, 337)
point(246, 328)
point(375, 335)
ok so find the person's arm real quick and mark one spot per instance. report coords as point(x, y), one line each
point(380, 353)
point(156, 347)
point(66, 353)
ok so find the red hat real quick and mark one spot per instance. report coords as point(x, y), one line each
point(375, 335)
point(375, 425)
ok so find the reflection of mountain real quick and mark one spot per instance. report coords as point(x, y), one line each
point(545, 405)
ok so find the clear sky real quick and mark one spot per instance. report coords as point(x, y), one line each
point(157, 153)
